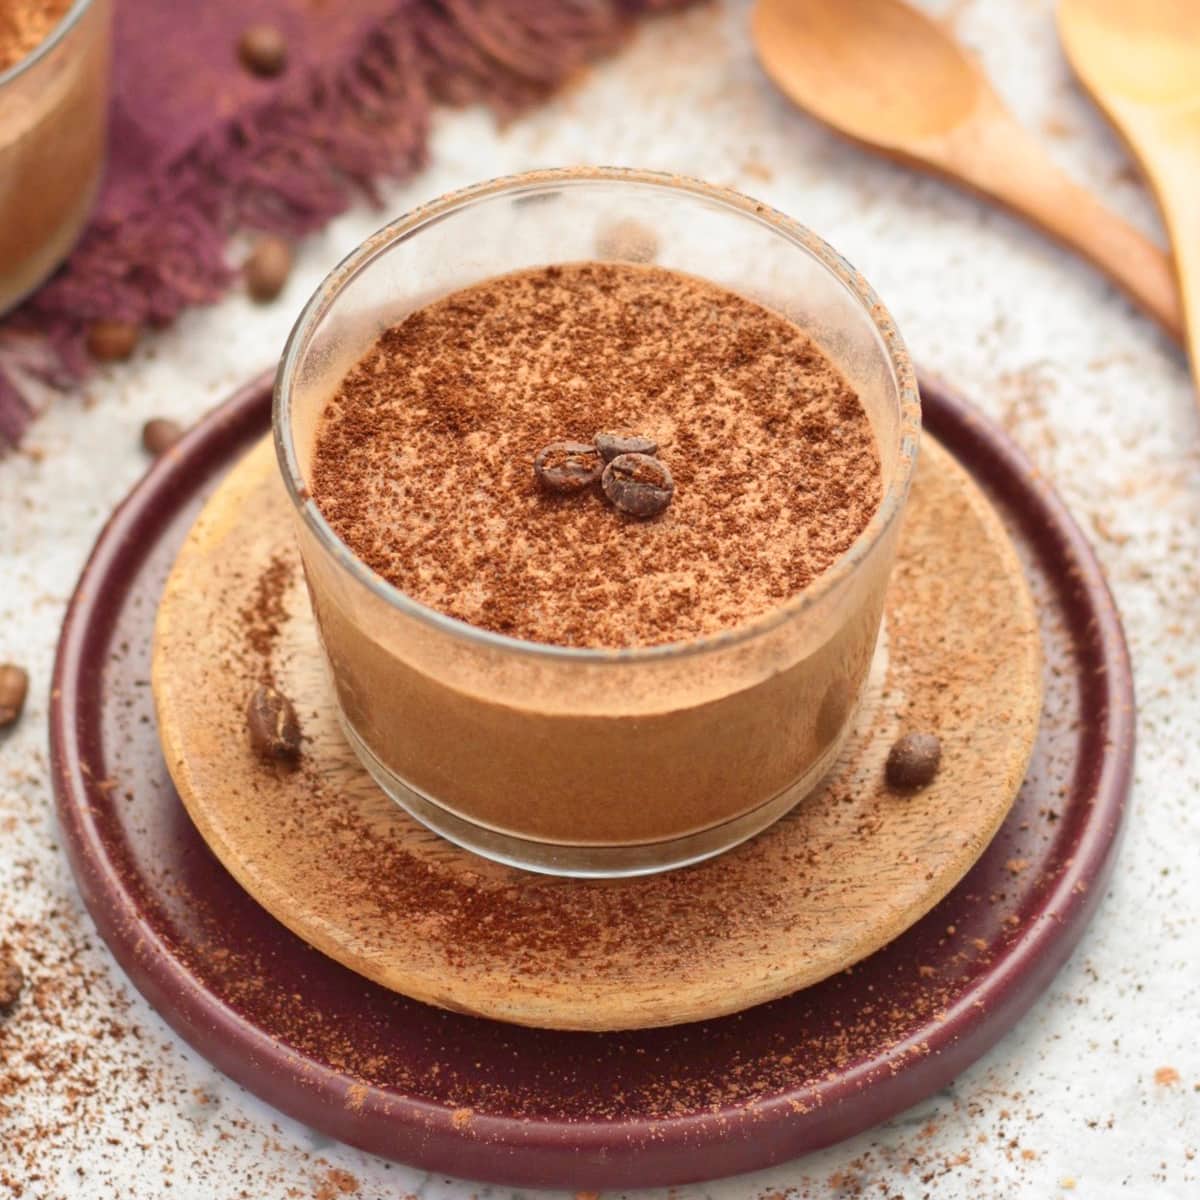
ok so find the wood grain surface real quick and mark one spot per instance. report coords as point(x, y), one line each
point(330, 856)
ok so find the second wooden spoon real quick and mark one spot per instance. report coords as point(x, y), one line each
point(1141, 63)
point(892, 79)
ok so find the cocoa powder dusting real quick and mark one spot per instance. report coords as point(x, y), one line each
point(424, 458)
point(263, 617)
point(25, 25)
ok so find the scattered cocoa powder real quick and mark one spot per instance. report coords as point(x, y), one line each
point(423, 458)
point(263, 617)
point(11, 983)
point(489, 916)
point(78, 1069)
point(336, 1183)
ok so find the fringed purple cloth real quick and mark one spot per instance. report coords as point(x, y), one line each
point(200, 147)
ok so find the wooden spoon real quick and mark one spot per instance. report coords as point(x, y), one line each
point(894, 80)
point(1141, 64)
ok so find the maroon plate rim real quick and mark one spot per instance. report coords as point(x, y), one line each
point(600, 1153)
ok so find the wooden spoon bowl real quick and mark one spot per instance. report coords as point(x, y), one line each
point(839, 61)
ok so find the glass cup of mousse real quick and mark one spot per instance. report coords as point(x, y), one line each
point(53, 123)
point(576, 759)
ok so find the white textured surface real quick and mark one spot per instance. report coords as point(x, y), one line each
point(1068, 1104)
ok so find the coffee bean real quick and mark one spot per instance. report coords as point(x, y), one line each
point(159, 435)
point(611, 445)
point(267, 268)
point(11, 982)
point(263, 50)
point(638, 484)
point(14, 685)
point(112, 341)
point(272, 725)
point(568, 467)
point(913, 761)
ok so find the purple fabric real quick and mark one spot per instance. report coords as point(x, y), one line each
point(200, 147)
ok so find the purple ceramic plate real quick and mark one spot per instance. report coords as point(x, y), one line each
point(475, 1098)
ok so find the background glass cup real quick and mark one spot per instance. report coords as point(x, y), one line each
point(577, 761)
point(53, 126)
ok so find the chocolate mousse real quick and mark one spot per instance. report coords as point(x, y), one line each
point(53, 113)
point(431, 458)
point(607, 457)
point(25, 25)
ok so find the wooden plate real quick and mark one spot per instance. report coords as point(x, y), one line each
point(851, 867)
point(528, 1107)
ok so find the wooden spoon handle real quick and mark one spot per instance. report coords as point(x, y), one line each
point(1175, 177)
point(1008, 164)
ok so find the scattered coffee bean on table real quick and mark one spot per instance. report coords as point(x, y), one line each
point(914, 760)
point(14, 686)
point(11, 983)
point(612, 445)
point(267, 268)
point(638, 485)
point(263, 50)
point(112, 341)
point(272, 725)
point(568, 467)
point(159, 434)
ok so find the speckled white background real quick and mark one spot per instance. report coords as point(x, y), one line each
point(1066, 1105)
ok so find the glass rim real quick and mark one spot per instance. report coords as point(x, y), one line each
point(67, 22)
point(405, 226)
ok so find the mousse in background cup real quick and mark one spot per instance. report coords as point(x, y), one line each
point(53, 124)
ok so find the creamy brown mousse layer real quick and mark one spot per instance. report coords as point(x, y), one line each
point(423, 461)
point(424, 458)
point(52, 136)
